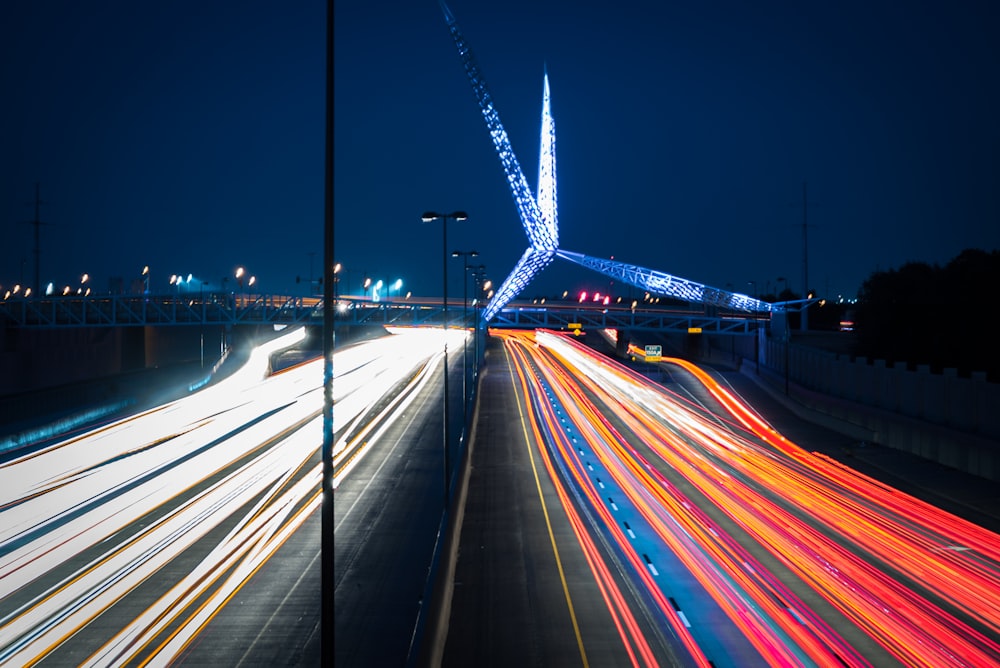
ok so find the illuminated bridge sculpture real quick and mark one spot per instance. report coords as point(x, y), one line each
point(539, 213)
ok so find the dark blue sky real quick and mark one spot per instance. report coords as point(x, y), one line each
point(186, 136)
point(190, 138)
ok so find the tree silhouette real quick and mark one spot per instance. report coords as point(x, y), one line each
point(927, 314)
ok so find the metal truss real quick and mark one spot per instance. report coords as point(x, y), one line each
point(659, 283)
point(532, 262)
point(538, 217)
point(542, 233)
point(171, 310)
point(589, 318)
point(142, 310)
point(547, 200)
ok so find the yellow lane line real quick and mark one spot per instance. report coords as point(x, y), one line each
point(548, 524)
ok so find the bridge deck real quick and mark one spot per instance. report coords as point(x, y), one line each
point(230, 309)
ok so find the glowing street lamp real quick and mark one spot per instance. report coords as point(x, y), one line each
point(428, 217)
point(239, 281)
point(177, 280)
point(336, 279)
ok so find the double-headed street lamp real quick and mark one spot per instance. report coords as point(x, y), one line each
point(428, 217)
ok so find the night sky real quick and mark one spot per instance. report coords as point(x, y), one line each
point(190, 138)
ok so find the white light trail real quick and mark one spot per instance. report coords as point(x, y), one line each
point(135, 494)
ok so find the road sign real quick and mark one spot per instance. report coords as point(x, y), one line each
point(575, 325)
point(654, 353)
point(694, 330)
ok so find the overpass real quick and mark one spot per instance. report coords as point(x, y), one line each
point(230, 309)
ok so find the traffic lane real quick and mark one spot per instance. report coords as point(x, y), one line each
point(96, 592)
point(161, 599)
point(274, 620)
point(510, 600)
point(916, 546)
point(697, 571)
point(386, 517)
point(801, 484)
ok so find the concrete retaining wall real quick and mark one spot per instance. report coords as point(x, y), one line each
point(942, 417)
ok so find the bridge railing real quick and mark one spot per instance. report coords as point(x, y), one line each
point(236, 309)
point(140, 310)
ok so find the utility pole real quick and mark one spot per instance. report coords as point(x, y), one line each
point(329, 342)
point(38, 244)
point(805, 255)
point(312, 285)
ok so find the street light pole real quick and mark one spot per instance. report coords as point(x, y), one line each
point(239, 279)
point(756, 332)
point(465, 324)
point(478, 277)
point(427, 217)
point(336, 279)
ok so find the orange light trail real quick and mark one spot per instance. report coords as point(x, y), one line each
point(924, 584)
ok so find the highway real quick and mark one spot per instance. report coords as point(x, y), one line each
point(746, 548)
point(389, 501)
point(657, 524)
point(124, 543)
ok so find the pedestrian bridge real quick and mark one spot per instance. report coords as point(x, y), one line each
point(230, 309)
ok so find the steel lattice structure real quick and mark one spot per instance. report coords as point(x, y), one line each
point(659, 283)
point(539, 216)
point(542, 233)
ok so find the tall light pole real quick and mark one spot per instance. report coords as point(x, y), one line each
point(326, 451)
point(479, 276)
point(239, 279)
point(465, 324)
point(756, 333)
point(336, 279)
point(428, 217)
